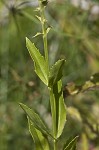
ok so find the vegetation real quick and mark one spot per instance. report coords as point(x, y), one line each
point(74, 37)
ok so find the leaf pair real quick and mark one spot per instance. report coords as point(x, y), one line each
point(39, 131)
point(37, 121)
point(48, 77)
point(37, 128)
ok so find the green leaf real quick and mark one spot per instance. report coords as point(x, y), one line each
point(39, 18)
point(37, 34)
point(57, 108)
point(56, 72)
point(39, 61)
point(37, 121)
point(40, 140)
point(70, 144)
point(48, 29)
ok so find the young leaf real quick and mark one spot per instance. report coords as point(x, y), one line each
point(56, 72)
point(70, 144)
point(39, 61)
point(57, 108)
point(37, 121)
point(41, 142)
point(48, 29)
point(39, 18)
point(37, 34)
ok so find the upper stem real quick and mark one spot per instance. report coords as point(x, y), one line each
point(43, 23)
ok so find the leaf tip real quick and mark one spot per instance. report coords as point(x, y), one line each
point(21, 105)
point(26, 39)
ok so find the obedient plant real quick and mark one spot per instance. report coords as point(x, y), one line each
point(51, 77)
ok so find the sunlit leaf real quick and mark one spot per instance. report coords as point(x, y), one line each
point(40, 140)
point(37, 121)
point(39, 61)
point(58, 109)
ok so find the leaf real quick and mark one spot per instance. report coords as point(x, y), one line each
point(37, 34)
point(37, 121)
point(70, 144)
point(40, 63)
point(39, 18)
point(41, 141)
point(56, 72)
point(58, 109)
point(48, 29)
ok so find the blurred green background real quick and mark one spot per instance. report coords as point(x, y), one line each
point(74, 36)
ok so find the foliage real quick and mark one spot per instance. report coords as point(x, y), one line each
point(73, 35)
point(52, 78)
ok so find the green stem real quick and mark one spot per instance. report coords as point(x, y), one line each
point(55, 147)
point(43, 23)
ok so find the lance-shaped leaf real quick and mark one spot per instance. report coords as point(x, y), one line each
point(40, 140)
point(70, 144)
point(55, 73)
point(37, 121)
point(57, 108)
point(39, 61)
